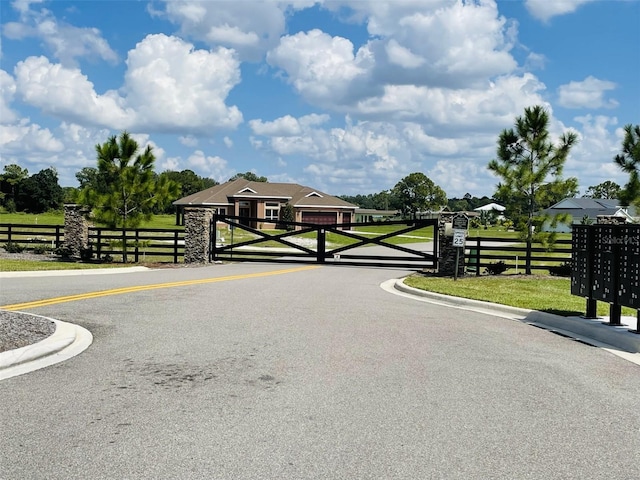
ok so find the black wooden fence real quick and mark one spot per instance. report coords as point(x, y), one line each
point(483, 252)
point(154, 244)
point(161, 244)
point(31, 235)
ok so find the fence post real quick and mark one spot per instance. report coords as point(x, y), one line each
point(136, 252)
point(321, 246)
point(57, 236)
point(9, 234)
point(175, 247)
point(99, 243)
point(478, 256)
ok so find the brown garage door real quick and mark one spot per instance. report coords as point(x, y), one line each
point(319, 218)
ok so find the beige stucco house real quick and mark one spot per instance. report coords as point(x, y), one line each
point(264, 200)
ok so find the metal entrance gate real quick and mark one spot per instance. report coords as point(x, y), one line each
point(374, 244)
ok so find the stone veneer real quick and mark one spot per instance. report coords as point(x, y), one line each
point(446, 250)
point(76, 229)
point(610, 220)
point(197, 234)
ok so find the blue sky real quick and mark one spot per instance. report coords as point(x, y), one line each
point(345, 96)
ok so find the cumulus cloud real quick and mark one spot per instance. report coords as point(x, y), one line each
point(589, 93)
point(7, 92)
point(212, 165)
point(591, 160)
point(173, 87)
point(168, 87)
point(320, 67)
point(66, 42)
point(68, 94)
point(250, 28)
point(545, 10)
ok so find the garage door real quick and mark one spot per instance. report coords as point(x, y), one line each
point(319, 218)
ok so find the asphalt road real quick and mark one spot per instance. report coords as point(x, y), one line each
point(310, 374)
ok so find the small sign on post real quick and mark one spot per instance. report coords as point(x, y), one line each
point(460, 225)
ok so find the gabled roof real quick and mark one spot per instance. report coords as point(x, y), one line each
point(296, 195)
point(587, 203)
point(590, 207)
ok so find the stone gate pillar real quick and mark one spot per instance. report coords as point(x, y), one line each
point(197, 234)
point(446, 250)
point(76, 229)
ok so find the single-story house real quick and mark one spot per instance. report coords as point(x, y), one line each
point(373, 215)
point(264, 200)
point(585, 209)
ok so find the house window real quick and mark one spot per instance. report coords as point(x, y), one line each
point(222, 211)
point(272, 211)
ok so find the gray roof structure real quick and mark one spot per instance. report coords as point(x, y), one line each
point(297, 195)
point(590, 207)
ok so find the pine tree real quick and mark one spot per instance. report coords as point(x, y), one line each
point(530, 167)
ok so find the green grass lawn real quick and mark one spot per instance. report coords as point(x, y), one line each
point(57, 218)
point(547, 294)
point(10, 265)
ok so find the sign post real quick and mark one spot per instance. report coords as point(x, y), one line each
point(460, 225)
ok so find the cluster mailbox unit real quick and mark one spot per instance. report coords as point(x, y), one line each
point(606, 267)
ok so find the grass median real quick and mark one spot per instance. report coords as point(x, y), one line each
point(533, 292)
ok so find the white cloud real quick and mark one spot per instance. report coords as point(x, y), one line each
point(7, 92)
point(66, 42)
point(287, 126)
point(545, 10)
point(188, 140)
point(169, 87)
point(214, 166)
point(320, 67)
point(250, 28)
point(174, 88)
point(171, 163)
point(68, 94)
point(228, 142)
point(588, 93)
point(436, 43)
point(591, 160)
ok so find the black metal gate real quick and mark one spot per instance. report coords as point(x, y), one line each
point(387, 243)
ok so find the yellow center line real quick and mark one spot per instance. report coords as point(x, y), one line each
point(141, 288)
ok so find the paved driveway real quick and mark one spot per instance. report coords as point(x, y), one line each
point(311, 374)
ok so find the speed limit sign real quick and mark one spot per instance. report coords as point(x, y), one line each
point(459, 237)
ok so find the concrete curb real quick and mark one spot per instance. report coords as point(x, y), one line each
point(62, 273)
point(66, 342)
point(613, 336)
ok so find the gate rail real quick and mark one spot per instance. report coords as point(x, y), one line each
point(288, 251)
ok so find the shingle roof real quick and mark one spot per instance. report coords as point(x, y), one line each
point(297, 195)
point(590, 207)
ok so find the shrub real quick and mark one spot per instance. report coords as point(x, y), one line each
point(86, 254)
point(12, 247)
point(62, 252)
point(41, 249)
point(562, 270)
point(496, 268)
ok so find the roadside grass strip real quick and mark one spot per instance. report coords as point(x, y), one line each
point(141, 288)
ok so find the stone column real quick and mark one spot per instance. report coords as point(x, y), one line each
point(197, 234)
point(446, 250)
point(76, 229)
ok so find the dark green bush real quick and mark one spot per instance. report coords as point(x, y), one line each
point(62, 252)
point(86, 254)
point(496, 268)
point(563, 270)
point(12, 247)
point(41, 249)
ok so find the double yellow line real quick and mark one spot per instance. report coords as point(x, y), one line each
point(141, 288)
